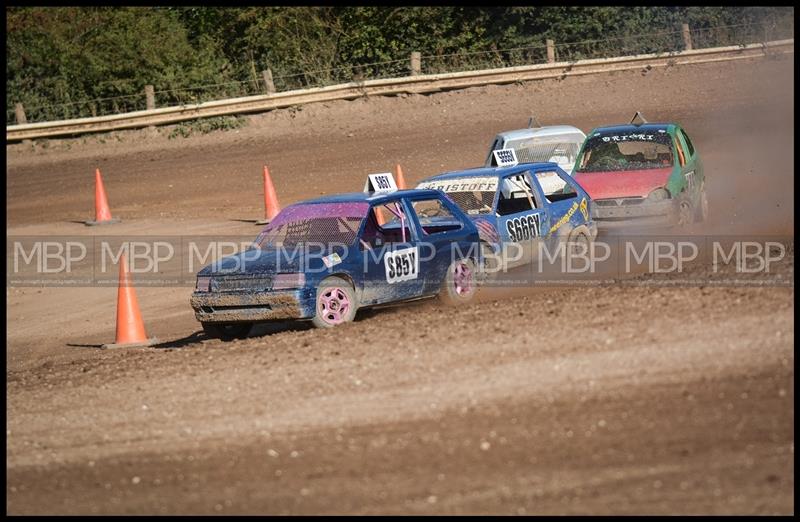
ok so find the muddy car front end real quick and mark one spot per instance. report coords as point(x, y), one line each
point(655, 211)
point(254, 298)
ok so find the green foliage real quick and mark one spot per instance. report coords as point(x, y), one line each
point(66, 62)
point(66, 56)
point(206, 125)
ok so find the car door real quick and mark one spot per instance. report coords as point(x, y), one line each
point(566, 207)
point(521, 218)
point(441, 233)
point(391, 255)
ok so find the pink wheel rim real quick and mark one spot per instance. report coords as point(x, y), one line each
point(462, 279)
point(334, 305)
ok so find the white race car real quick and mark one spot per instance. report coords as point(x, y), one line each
point(554, 143)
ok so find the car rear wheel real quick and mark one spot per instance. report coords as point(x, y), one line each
point(460, 282)
point(336, 303)
point(227, 332)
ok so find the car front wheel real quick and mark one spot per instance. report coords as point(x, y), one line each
point(701, 212)
point(579, 242)
point(460, 283)
point(336, 303)
point(685, 212)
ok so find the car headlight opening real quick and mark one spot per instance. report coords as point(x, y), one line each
point(659, 194)
point(203, 284)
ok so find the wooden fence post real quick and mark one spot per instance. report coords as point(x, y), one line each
point(687, 37)
point(551, 51)
point(270, 85)
point(150, 95)
point(416, 63)
point(19, 111)
point(150, 102)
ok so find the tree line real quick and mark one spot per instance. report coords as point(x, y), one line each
point(65, 61)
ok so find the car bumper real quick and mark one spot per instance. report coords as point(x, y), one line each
point(226, 307)
point(645, 215)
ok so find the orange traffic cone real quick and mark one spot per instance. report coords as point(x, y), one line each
point(271, 206)
point(379, 216)
point(398, 177)
point(130, 328)
point(102, 214)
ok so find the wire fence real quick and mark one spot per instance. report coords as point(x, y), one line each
point(653, 42)
point(80, 109)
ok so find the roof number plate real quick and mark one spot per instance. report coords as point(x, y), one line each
point(383, 182)
point(505, 157)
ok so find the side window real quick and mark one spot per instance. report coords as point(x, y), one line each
point(515, 196)
point(434, 216)
point(681, 157)
point(387, 223)
point(555, 188)
point(688, 142)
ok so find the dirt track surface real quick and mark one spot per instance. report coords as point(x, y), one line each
point(622, 399)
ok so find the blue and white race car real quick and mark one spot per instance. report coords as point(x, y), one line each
point(325, 258)
point(510, 207)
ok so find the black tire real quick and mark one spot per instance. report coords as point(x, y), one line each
point(460, 283)
point(701, 210)
point(490, 262)
point(578, 242)
point(685, 211)
point(336, 303)
point(227, 331)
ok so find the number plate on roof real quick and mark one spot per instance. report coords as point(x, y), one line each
point(505, 157)
point(383, 182)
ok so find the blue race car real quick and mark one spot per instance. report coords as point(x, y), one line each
point(323, 259)
point(510, 207)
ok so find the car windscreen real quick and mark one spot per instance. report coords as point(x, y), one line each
point(562, 151)
point(626, 151)
point(314, 222)
point(473, 195)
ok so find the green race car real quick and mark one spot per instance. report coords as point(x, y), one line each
point(642, 175)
